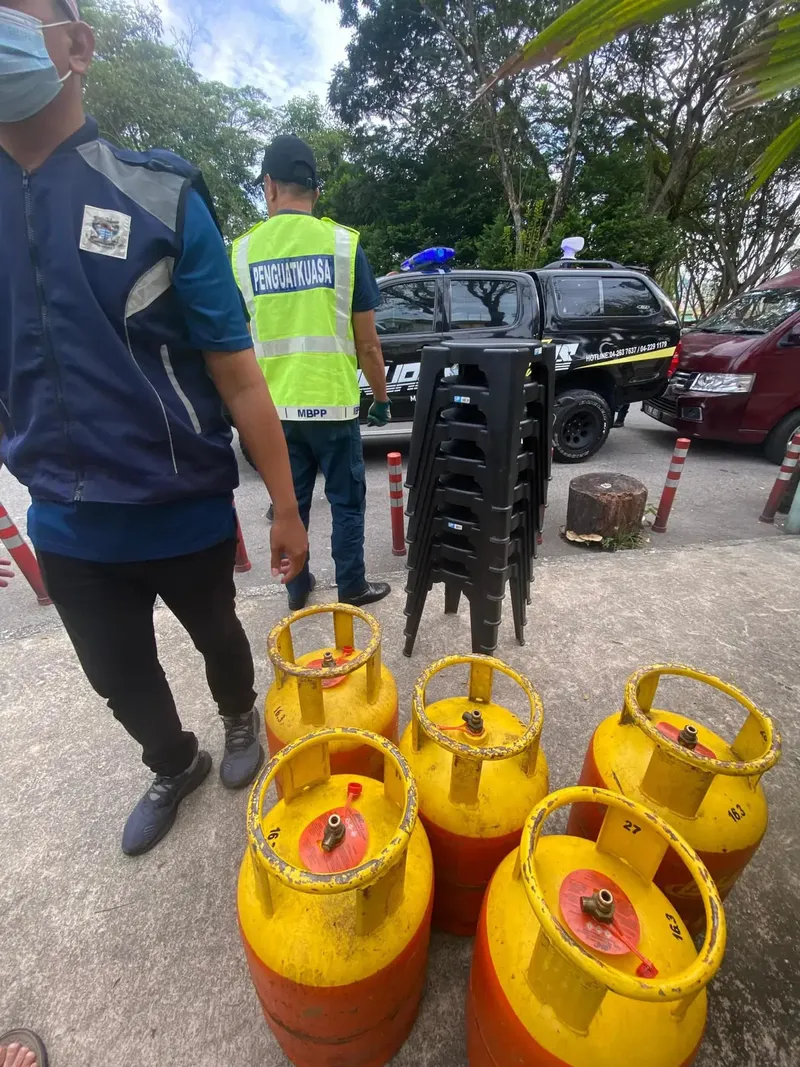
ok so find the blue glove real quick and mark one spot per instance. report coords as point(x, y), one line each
point(380, 413)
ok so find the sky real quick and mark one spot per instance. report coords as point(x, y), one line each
point(284, 47)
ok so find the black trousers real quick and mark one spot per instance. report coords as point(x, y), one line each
point(107, 609)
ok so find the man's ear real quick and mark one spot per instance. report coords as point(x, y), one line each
point(81, 49)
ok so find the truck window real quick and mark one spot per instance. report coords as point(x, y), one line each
point(577, 298)
point(407, 308)
point(627, 297)
point(477, 302)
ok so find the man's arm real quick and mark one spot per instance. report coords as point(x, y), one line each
point(216, 324)
point(244, 391)
point(366, 298)
point(370, 354)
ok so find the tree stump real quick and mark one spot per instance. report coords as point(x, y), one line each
point(605, 505)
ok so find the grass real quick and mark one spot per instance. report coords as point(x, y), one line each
point(632, 539)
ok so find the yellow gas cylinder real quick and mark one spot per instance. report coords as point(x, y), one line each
point(479, 770)
point(333, 686)
point(579, 959)
point(707, 789)
point(335, 898)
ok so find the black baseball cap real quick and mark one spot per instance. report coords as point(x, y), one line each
point(289, 159)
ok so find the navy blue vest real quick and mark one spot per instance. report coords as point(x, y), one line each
point(102, 397)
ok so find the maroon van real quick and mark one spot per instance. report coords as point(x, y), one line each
point(736, 375)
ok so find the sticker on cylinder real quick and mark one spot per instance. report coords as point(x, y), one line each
point(616, 936)
point(339, 855)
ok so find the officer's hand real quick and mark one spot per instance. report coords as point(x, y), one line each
point(289, 545)
point(380, 413)
point(5, 572)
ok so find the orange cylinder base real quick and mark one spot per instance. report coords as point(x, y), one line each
point(360, 1025)
point(496, 1036)
point(358, 760)
point(463, 867)
point(672, 878)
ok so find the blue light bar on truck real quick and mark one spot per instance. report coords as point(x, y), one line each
point(430, 259)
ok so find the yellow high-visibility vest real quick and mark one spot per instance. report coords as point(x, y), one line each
point(297, 275)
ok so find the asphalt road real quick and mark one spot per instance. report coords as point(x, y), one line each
point(722, 492)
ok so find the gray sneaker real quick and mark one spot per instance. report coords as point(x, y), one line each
point(243, 752)
point(153, 816)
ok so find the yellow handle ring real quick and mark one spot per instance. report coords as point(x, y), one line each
point(733, 768)
point(465, 751)
point(328, 884)
point(676, 987)
point(322, 673)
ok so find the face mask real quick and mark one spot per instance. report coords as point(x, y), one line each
point(29, 80)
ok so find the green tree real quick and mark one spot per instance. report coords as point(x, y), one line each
point(145, 94)
point(403, 200)
point(765, 64)
point(633, 146)
point(408, 65)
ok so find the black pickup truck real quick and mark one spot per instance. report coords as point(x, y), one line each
point(615, 333)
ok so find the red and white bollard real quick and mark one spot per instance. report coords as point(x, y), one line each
point(243, 563)
point(671, 484)
point(12, 539)
point(396, 497)
point(790, 461)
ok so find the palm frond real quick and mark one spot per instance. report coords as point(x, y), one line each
point(584, 27)
point(764, 69)
point(771, 64)
point(776, 153)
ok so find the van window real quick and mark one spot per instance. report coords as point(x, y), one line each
point(627, 297)
point(407, 308)
point(758, 312)
point(483, 302)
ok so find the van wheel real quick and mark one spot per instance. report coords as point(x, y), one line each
point(778, 441)
point(581, 426)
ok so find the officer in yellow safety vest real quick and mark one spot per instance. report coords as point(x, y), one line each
point(311, 296)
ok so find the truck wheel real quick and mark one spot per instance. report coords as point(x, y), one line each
point(581, 426)
point(778, 441)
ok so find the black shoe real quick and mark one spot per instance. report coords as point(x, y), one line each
point(155, 813)
point(243, 751)
point(374, 592)
point(271, 513)
point(619, 424)
point(297, 603)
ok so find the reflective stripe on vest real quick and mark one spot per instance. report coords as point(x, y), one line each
point(289, 345)
point(245, 283)
point(344, 294)
point(334, 414)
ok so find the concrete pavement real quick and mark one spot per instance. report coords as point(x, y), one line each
point(120, 962)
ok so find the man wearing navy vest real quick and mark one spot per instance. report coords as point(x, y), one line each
point(121, 335)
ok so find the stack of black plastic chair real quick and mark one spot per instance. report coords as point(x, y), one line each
point(477, 478)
